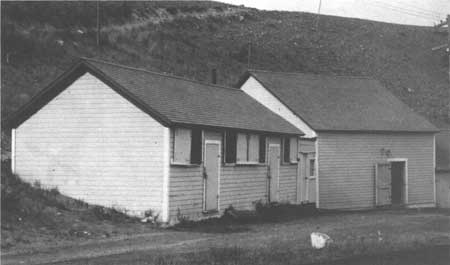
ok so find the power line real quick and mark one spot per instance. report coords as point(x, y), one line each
point(403, 11)
point(416, 8)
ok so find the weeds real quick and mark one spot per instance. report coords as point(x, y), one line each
point(114, 214)
point(234, 220)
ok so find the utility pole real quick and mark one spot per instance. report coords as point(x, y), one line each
point(318, 14)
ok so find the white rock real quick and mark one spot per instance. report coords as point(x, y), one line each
point(319, 240)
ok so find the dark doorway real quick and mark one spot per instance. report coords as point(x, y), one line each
point(397, 182)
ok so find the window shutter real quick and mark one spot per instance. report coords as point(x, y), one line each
point(293, 149)
point(253, 152)
point(241, 155)
point(182, 146)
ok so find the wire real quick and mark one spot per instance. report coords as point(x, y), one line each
point(409, 7)
point(418, 9)
point(403, 11)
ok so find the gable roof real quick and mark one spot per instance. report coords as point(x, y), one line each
point(341, 103)
point(170, 100)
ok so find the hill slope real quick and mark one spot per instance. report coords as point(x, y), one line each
point(42, 39)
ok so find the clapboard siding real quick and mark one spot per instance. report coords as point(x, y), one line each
point(347, 172)
point(288, 183)
point(186, 191)
point(241, 186)
point(93, 144)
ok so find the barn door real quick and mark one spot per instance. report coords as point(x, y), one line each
point(274, 171)
point(383, 184)
point(211, 176)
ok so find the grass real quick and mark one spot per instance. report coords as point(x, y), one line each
point(189, 39)
point(371, 237)
point(273, 234)
point(234, 221)
point(32, 215)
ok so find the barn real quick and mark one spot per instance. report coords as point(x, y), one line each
point(137, 140)
point(364, 147)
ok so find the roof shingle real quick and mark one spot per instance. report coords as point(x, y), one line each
point(184, 101)
point(342, 103)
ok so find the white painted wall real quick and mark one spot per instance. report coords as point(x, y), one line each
point(347, 167)
point(257, 91)
point(93, 144)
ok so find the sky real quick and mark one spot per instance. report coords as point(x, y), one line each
point(411, 12)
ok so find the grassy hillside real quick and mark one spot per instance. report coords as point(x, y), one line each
point(31, 214)
point(41, 39)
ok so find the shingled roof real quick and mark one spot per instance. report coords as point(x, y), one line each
point(342, 103)
point(171, 100)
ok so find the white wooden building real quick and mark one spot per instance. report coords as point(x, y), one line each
point(137, 140)
point(368, 147)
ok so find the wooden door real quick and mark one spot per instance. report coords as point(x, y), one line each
point(397, 182)
point(274, 172)
point(212, 163)
point(383, 184)
point(311, 178)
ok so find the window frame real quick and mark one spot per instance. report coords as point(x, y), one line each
point(173, 151)
point(247, 150)
point(286, 141)
point(248, 135)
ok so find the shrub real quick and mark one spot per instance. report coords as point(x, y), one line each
point(172, 10)
point(183, 220)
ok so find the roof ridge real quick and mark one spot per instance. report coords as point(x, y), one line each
point(314, 74)
point(169, 75)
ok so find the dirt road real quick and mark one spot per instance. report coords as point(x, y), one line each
point(353, 234)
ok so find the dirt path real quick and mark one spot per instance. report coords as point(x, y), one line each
point(155, 241)
point(357, 232)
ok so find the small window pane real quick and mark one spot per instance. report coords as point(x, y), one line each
point(262, 149)
point(230, 147)
point(286, 150)
point(196, 146)
point(312, 167)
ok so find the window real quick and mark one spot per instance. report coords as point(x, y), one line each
point(312, 167)
point(247, 148)
point(286, 150)
point(187, 146)
point(262, 149)
point(290, 147)
point(196, 146)
point(244, 148)
point(230, 147)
